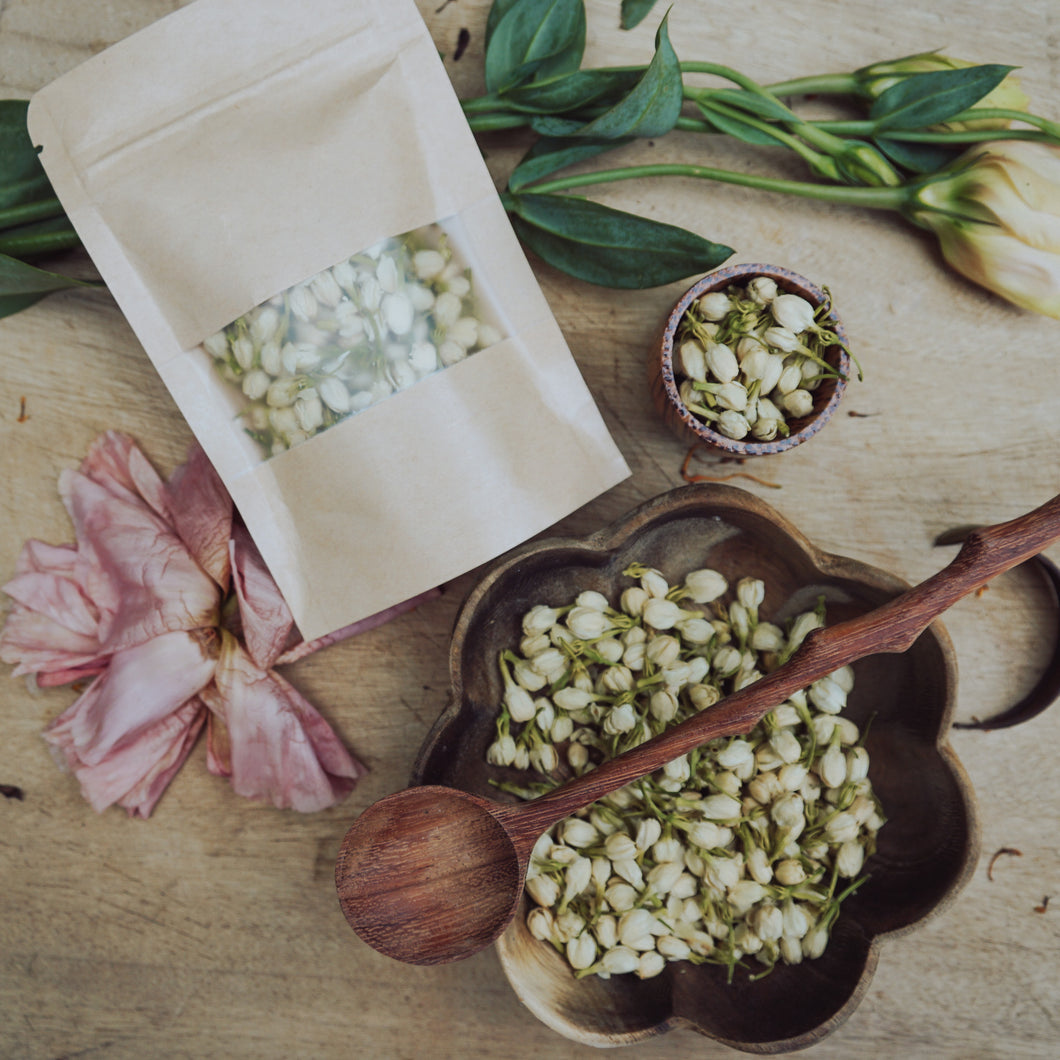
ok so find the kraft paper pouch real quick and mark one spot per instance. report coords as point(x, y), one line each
point(288, 206)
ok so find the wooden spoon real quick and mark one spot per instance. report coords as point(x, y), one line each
point(433, 874)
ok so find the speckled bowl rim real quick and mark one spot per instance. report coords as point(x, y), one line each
point(711, 281)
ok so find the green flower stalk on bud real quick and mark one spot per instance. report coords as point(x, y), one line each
point(874, 80)
point(903, 154)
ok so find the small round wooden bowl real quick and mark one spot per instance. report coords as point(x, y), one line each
point(689, 427)
point(926, 851)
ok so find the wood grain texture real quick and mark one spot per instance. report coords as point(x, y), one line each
point(212, 930)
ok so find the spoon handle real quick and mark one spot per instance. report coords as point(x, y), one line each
point(892, 627)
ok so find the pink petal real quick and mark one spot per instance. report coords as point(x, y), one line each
point(304, 648)
point(53, 625)
point(135, 776)
point(278, 747)
point(265, 618)
point(142, 685)
point(201, 513)
point(53, 678)
point(37, 645)
point(40, 557)
point(115, 462)
point(133, 567)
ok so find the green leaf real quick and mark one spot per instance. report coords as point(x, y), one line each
point(22, 178)
point(604, 246)
point(635, 11)
point(569, 58)
point(498, 10)
point(550, 154)
point(10, 304)
point(918, 158)
point(535, 37)
point(571, 91)
point(554, 126)
point(19, 280)
point(652, 107)
point(935, 96)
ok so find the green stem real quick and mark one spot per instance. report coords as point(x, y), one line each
point(40, 244)
point(27, 212)
point(818, 138)
point(817, 161)
point(482, 104)
point(497, 122)
point(1044, 129)
point(890, 198)
point(818, 85)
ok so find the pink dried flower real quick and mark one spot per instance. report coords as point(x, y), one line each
point(166, 606)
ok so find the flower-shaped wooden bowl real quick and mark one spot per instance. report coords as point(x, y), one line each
point(926, 850)
point(665, 384)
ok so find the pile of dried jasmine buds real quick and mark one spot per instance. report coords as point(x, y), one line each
point(350, 337)
point(748, 359)
point(743, 848)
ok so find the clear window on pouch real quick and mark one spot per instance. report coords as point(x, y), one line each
point(351, 336)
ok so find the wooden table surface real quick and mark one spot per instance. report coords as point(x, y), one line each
point(212, 929)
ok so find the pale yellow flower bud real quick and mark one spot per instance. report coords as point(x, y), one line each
point(692, 360)
point(782, 339)
point(733, 425)
point(793, 312)
point(650, 965)
point(571, 698)
point(832, 767)
point(543, 889)
point(302, 303)
point(996, 214)
point(798, 403)
point(663, 705)
point(743, 894)
point(581, 951)
point(633, 600)
point(850, 858)
point(661, 614)
point(827, 696)
point(520, 703)
point(761, 290)
point(714, 305)
point(720, 808)
point(325, 289)
point(450, 353)
point(672, 948)
point(620, 896)
point(577, 756)
point(705, 585)
point(721, 362)
point(540, 923)
point(620, 960)
point(842, 828)
point(586, 623)
point(620, 719)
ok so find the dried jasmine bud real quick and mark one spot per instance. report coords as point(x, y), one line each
point(735, 348)
point(728, 852)
point(351, 336)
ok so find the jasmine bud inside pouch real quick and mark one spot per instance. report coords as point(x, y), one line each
point(304, 237)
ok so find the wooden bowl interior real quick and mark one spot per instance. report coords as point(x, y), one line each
point(925, 852)
point(665, 385)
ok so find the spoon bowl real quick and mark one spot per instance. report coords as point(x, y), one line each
point(406, 893)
